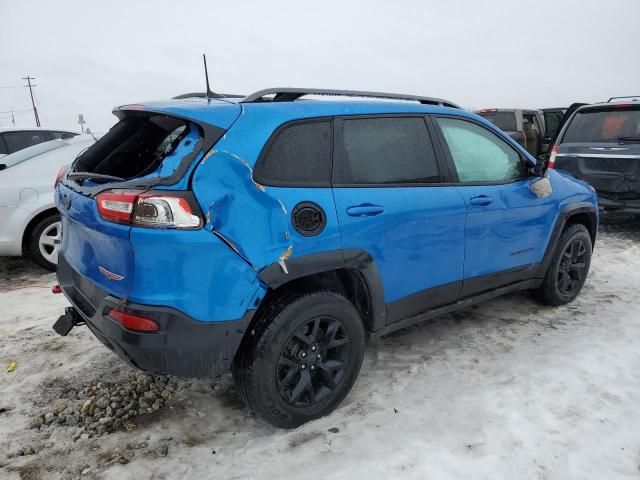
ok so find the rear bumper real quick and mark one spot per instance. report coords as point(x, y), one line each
point(622, 205)
point(183, 346)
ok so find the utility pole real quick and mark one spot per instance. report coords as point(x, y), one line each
point(13, 120)
point(35, 110)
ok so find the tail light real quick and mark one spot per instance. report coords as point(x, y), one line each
point(150, 209)
point(552, 157)
point(132, 321)
point(59, 176)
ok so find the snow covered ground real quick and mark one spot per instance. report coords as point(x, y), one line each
point(506, 390)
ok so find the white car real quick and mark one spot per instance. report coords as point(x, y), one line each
point(29, 221)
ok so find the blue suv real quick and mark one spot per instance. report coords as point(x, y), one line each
point(271, 235)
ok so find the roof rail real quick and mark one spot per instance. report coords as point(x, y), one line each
point(204, 95)
point(292, 94)
point(627, 96)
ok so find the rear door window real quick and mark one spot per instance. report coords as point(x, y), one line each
point(386, 150)
point(299, 154)
point(603, 126)
point(478, 154)
point(18, 140)
point(503, 120)
point(552, 122)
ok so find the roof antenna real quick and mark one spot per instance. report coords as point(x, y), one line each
point(210, 94)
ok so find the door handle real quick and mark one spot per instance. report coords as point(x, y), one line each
point(481, 200)
point(365, 210)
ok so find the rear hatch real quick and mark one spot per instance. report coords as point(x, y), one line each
point(154, 147)
point(601, 145)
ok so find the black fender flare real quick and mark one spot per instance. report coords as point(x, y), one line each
point(274, 275)
point(566, 213)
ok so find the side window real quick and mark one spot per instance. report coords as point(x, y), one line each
point(552, 123)
point(385, 151)
point(18, 140)
point(3, 147)
point(298, 155)
point(531, 122)
point(478, 154)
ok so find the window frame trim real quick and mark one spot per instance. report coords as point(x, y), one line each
point(455, 179)
point(256, 174)
point(339, 154)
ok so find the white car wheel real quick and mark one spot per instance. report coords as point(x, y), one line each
point(49, 242)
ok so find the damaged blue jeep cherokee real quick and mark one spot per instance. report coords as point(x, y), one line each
point(270, 235)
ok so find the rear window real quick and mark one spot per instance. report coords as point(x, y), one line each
point(135, 146)
point(299, 154)
point(503, 120)
point(386, 151)
point(603, 126)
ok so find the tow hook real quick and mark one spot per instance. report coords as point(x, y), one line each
point(66, 322)
point(56, 289)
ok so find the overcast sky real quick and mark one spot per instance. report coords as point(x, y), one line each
point(89, 56)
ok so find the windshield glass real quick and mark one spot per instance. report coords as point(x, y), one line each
point(30, 152)
point(503, 120)
point(603, 126)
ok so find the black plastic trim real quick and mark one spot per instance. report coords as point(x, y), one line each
point(423, 301)
point(292, 94)
point(182, 346)
point(467, 302)
point(565, 214)
point(298, 267)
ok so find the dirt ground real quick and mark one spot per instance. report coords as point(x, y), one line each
point(507, 389)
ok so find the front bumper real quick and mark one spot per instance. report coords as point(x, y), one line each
point(182, 346)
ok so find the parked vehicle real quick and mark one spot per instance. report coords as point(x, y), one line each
point(29, 221)
point(271, 236)
point(600, 144)
point(525, 126)
point(15, 139)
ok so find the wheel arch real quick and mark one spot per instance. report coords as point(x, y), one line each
point(351, 272)
point(583, 213)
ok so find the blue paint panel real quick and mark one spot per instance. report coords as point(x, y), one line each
point(88, 242)
point(192, 271)
point(417, 242)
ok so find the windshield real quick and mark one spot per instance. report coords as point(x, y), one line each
point(603, 126)
point(30, 152)
point(503, 120)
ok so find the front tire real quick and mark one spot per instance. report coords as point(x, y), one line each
point(44, 242)
point(569, 267)
point(302, 359)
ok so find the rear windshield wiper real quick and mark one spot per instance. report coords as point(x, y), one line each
point(622, 140)
point(94, 176)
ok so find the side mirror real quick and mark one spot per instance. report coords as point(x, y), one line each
point(541, 165)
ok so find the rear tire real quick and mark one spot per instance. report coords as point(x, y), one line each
point(569, 267)
point(44, 242)
point(301, 359)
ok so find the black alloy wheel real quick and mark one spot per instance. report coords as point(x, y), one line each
point(313, 361)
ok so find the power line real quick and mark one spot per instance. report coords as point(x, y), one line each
point(35, 110)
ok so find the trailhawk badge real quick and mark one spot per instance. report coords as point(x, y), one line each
point(110, 275)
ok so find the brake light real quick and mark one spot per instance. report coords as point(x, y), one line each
point(131, 321)
point(59, 176)
point(552, 157)
point(116, 206)
point(488, 110)
point(150, 210)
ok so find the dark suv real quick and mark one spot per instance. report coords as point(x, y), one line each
point(600, 144)
point(271, 235)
